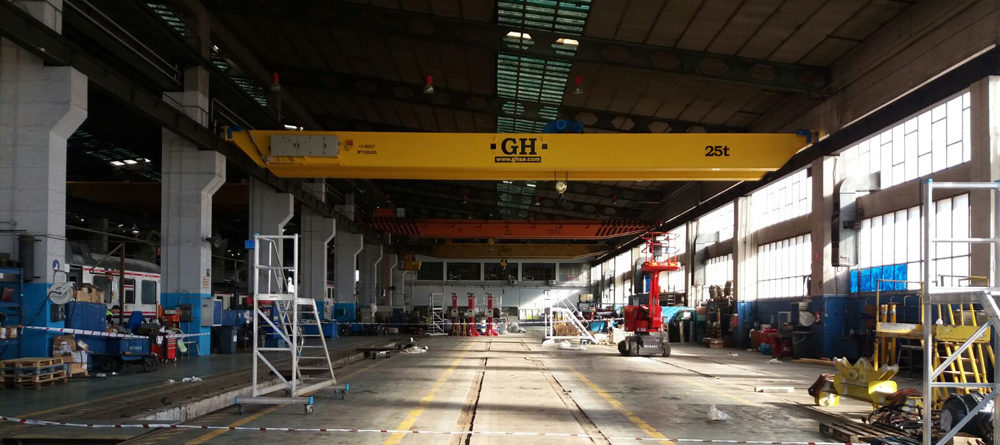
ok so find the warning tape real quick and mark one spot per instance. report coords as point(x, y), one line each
point(83, 332)
point(388, 431)
point(92, 333)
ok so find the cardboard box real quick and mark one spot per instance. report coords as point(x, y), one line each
point(89, 294)
point(76, 369)
point(63, 345)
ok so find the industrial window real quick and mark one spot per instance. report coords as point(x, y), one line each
point(538, 271)
point(148, 292)
point(784, 199)
point(783, 268)
point(933, 140)
point(718, 221)
point(496, 271)
point(674, 280)
point(431, 270)
point(464, 272)
point(573, 273)
point(623, 269)
point(895, 239)
point(129, 291)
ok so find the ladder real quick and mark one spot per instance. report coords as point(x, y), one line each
point(283, 316)
point(560, 313)
point(436, 325)
point(958, 365)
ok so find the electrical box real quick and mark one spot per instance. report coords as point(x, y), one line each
point(207, 312)
point(185, 313)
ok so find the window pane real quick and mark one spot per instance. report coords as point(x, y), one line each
point(433, 270)
point(148, 292)
point(539, 272)
point(463, 272)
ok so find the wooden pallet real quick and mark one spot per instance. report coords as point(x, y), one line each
point(854, 432)
point(30, 362)
point(32, 370)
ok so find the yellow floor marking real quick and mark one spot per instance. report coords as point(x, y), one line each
point(645, 427)
point(411, 418)
point(212, 435)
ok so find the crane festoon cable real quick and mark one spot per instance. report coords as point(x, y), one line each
point(93, 333)
point(24, 421)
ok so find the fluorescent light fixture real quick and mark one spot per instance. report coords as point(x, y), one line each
point(531, 184)
point(131, 161)
point(506, 182)
point(716, 169)
point(564, 41)
point(117, 163)
point(519, 35)
point(146, 160)
point(215, 48)
point(292, 127)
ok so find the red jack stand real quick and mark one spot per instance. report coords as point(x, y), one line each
point(470, 329)
point(490, 331)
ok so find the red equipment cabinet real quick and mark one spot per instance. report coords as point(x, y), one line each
point(645, 321)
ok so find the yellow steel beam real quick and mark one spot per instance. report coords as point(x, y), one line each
point(517, 156)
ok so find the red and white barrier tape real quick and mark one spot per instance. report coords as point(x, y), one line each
point(187, 335)
point(388, 431)
point(83, 332)
point(104, 333)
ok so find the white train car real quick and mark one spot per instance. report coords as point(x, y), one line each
point(142, 281)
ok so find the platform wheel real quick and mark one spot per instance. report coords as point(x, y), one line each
point(243, 409)
point(666, 349)
point(118, 364)
point(622, 347)
point(309, 409)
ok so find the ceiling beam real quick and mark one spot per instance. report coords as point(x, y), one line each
point(301, 78)
point(575, 191)
point(793, 78)
point(453, 195)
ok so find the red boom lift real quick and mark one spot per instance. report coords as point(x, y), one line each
point(644, 321)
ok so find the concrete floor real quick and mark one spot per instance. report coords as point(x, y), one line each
point(513, 383)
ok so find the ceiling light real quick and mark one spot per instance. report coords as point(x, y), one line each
point(292, 127)
point(564, 41)
point(578, 81)
point(519, 35)
point(131, 161)
point(716, 169)
point(531, 184)
point(146, 160)
point(429, 84)
point(506, 182)
point(216, 47)
point(117, 163)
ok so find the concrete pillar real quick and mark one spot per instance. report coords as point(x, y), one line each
point(826, 280)
point(744, 268)
point(389, 263)
point(828, 287)
point(368, 268)
point(40, 107)
point(190, 177)
point(317, 232)
point(347, 247)
point(270, 209)
point(985, 135)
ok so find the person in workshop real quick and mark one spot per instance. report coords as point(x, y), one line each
point(112, 314)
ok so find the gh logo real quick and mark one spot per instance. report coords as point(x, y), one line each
point(510, 146)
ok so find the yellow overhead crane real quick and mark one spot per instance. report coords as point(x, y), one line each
point(519, 156)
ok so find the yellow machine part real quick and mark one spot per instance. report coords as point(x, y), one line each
point(518, 156)
point(862, 381)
